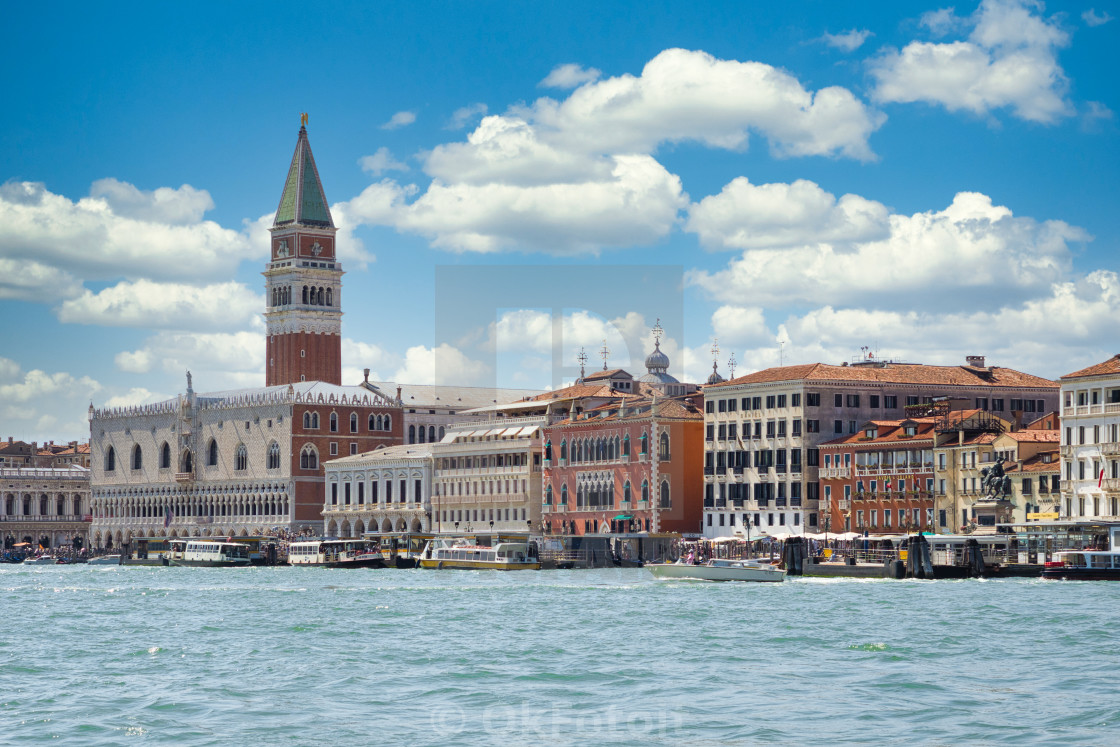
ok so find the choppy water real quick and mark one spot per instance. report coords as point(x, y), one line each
point(288, 656)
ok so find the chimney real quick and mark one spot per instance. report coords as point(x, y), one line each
point(365, 371)
point(976, 361)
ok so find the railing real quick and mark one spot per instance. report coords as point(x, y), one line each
point(44, 473)
point(39, 518)
point(835, 473)
point(184, 476)
point(1111, 484)
point(1110, 449)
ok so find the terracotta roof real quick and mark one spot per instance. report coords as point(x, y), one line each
point(576, 391)
point(604, 374)
point(637, 408)
point(1035, 464)
point(895, 373)
point(1110, 366)
point(1035, 436)
point(890, 432)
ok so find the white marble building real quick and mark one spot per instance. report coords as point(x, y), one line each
point(387, 490)
point(1091, 442)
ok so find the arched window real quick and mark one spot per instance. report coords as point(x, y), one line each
point(308, 458)
point(274, 455)
point(548, 450)
point(548, 496)
point(27, 505)
point(374, 423)
point(165, 456)
point(626, 445)
point(334, 422)
point(664, 498)
point(353, 422)
point(43, 505)
point(187, 461)
point(645, 491)
point(626, 492)
point(441, 433)
point(212, 454)
point(564, 494)
point(420, 435)
point(431, 433)
point(315, 420)
point(388, 424)
point(664, 440)
point(305, 295)
point(307, 420)
point(645, 444)
point(137, 457)
point(241, 458)
point(110, 460)
point(77, 505)
point(564, 449)
point(330, 298)
point(320, 301)
point(412, 434)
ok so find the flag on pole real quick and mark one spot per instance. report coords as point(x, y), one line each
point(1100, 480)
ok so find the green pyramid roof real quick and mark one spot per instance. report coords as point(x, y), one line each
point(303, 201)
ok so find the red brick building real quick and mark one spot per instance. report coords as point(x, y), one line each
point(634, 465)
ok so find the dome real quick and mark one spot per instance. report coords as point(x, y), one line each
point(714, 377)
point(657, 360)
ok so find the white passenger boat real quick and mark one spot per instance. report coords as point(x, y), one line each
point(336, 553)
point(41, 560)
point(208, 553)
point(105, 560)
point(718, 569)
point(1087, 565)
point(461, 555)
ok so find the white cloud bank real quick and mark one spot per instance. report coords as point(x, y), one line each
point(1009, 60)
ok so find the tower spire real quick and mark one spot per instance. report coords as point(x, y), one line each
point(302, 202)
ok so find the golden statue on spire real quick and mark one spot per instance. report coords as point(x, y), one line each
point(303, 119)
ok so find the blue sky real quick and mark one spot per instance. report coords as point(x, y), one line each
point(798, 180)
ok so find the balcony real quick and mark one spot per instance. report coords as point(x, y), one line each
point(184, 477)
point(43, 519)
point(1111, 484)
point(835, 473)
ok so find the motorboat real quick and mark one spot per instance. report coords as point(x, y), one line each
point(719, 569)
point(336, 553)
point(1087, 565)
point(464, 555)
point(41, 560)
point(105, 560)
point(200, 553)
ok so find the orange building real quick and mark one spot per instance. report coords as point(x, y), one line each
point(633, 465)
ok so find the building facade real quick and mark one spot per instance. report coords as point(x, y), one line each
point(879, 480)
point(633, 465)
point(45, 506)
point(387, 490)
point(763, 431)
point(1090, 445)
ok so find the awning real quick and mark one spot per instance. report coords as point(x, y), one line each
point(623, 517)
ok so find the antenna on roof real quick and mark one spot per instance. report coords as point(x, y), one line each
point(605, 352)
point(731, 364)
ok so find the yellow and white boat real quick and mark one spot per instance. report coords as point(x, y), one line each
point(461, 555)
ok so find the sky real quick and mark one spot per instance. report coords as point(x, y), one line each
point(516, 182)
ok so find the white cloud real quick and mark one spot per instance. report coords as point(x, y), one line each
point(442, 365)
point(139, 361)
point(38, 385)
point(135, 396)
point(462, 116)
point(972, 252)
point(569, 75)
point(689, 95)
point(849, 41)
point(144, 303)
point(740, 326)
point(746, 216)
point(181, 206)
point(89, 240)
point(1092, 18)
point(1009, 60)
point(398, 120)
point(1066, 329)
point(217, 359)
point(9, 370)
point(28, 280)
point(380, 162)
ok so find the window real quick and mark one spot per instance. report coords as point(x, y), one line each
point(812, 426)
point(353, 422)
point(853, 400)
point(334, 448)
point(353, 448)
point(664, 447)
point(997, 405)
point(110, 460)
point(564, 495)
point(911, 400)
point(756, 403)
point(812, 399)
point(274, 455)
point(770, 401)
point(709, 406)
point(890, 402)
point(874, 400)
point(137, 457)
point(721, 406)
point(412, 434)
point(165, 456)
point(645, 490)
point(781, 400)
point(837, 425)
point(241, 458)
point(334, 422)
point(308, 457)
point(664, 494)
point(311, 420)
point(838, 400)
point(795, 400)
point(212, 454)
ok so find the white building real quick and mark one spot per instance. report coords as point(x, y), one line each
point(44, 506)
point(387, 490)
point(1091, 442)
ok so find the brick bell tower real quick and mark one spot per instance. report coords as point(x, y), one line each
point(303, 281)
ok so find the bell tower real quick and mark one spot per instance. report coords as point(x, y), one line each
point(303, 280)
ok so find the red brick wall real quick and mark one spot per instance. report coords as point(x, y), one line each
point(321, 359)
